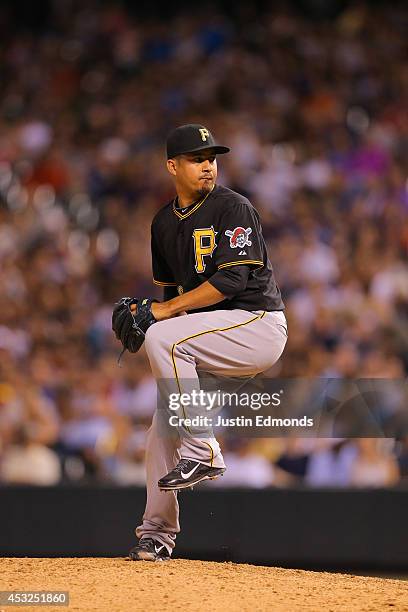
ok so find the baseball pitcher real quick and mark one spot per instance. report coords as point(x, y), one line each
point(222, 315)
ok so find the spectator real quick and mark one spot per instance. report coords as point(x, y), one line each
point(374, 464)
point(330, 463)
point(26, 461)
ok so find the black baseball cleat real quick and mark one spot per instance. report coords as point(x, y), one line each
point(149, 550)
point(188, 473)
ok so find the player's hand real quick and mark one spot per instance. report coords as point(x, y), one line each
point(160, 310)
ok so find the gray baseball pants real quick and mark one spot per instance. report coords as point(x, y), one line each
point(232, 343)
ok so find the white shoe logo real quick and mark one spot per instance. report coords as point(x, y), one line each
point(158, 549)
point(185, 476)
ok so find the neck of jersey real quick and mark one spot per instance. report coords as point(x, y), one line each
point(185, 210)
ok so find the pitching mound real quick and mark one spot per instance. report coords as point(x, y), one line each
point(121, 585)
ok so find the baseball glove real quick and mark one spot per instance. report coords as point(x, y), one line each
point(131, 327)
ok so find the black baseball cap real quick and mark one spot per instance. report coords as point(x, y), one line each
point(191, 138)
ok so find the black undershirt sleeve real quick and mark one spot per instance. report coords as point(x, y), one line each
point(230, 281)
point(169, 293)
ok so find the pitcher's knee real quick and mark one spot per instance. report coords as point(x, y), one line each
point(152, 338)
point(159, 334)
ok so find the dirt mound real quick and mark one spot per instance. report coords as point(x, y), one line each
point(121, 585)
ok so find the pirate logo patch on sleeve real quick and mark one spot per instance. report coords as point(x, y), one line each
point(239, 237)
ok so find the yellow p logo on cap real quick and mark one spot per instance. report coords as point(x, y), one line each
point(204, 134)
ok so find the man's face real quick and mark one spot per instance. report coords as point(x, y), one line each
point(195, 173)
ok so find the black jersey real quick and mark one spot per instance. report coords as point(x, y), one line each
point(219, 232)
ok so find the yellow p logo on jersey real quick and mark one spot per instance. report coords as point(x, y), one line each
point(204, 134)
point(204, 244)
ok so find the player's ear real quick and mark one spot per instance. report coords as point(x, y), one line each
point(171, 166)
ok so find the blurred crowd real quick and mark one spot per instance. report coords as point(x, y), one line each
point(315, 114)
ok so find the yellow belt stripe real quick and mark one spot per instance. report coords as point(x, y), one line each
point(209, 331)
